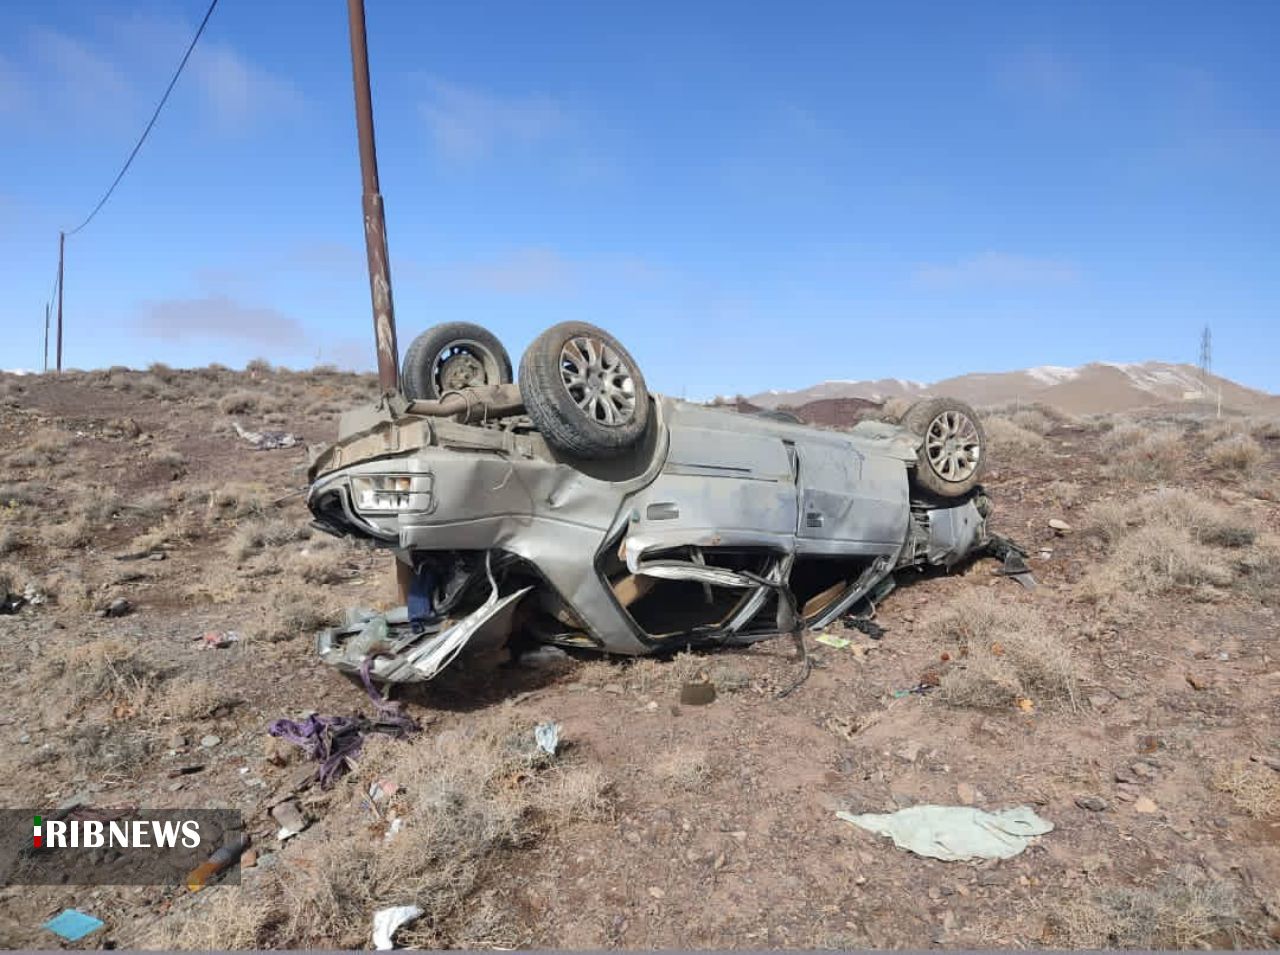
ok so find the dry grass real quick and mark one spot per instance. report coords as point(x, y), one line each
point(1006, 437)
point(1253, 787)
point(1240, 455)
point(76, 532)
point(297, 610)
point(1176, 508)
point(1144, 454)
point(684, 768)
point(190, 699)
point(239, 402)
point(1169, 540)
point(1007, 652)
point(322, 562)
point(173, 529)
point(252, 537)
point(1185, 908)
point(109, 668)
point(467, 797)
point(108, 748)
point(12, 540)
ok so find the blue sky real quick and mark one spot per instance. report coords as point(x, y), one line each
point(749, 195)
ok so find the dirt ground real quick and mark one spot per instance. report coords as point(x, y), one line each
point(1132, 699)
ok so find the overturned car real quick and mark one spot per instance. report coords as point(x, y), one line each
point(577, 509)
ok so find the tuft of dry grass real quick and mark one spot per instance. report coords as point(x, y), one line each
point(1006, 437)
point(239, 402)
point(108, 669)
point(1253, 787)
point(75, 532)
point(1184, 908)
point(253, 536)
point(190, 699)
point(1144, 454)
point(297, 610)
point(320, 565)
point(12, 540)
point(1172, 539)
point(684, 768)
point(1240, 455)
point(1007, 651)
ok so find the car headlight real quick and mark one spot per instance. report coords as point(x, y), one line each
point(385, 493)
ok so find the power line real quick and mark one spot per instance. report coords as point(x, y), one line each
point(154, 116)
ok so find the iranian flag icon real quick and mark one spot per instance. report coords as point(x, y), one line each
point(37, 838)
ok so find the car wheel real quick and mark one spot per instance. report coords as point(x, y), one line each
point(584, 391)
point(451, 357)
point(953, 446)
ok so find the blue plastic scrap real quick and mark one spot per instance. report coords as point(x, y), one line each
point(73, 925)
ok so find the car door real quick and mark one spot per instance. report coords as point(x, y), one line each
point(851, 502)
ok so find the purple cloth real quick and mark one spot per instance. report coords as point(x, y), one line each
point(333, 740)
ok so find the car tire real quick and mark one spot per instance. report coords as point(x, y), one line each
point(953, 446)
point(583, 391)
point(453, 356)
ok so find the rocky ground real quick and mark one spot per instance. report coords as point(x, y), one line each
point(1133, 700)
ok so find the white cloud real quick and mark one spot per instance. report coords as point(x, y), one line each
point(1001, 269)
point(88, 80)
point(218, 317)
point(238, 93)
point(467, 124)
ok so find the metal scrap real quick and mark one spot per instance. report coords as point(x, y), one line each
point(266, 440)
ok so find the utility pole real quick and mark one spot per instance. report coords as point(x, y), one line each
point(375, 224)
point(1206, 362)
point(62, 245)
point(46, 336)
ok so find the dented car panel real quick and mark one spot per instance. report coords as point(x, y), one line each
point(685, 539)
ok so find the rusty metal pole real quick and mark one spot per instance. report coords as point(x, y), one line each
point(62, 245)
point(375, 235)
point(375, 224)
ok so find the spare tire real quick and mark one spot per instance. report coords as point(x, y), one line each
point(451, 357)
point(953, 446)
point(584, 391)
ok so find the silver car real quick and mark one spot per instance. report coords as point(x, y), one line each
point(577, 509)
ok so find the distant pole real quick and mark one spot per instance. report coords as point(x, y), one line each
point(62, 245)
point(46, 336)
point(375, 224)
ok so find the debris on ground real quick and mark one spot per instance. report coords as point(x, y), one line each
point(548, 737)
point(386, 921)
point(920, 689)
point(1059, 526)
point(831, 640)
point(955, 833)
point(218, 639)
point(290, 817)
point(266, 440)
point(223, 859)
point(117, 608)
point(333, 741)
point(543, 656)
point(867, 626)
point(1092, 803)
point(73, 925)
point(12, 603)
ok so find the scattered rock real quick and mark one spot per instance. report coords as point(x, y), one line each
point(1144, 805)
point(210, 741)
point(1143, 770)
point(290, 818)
point(1059, 525)
point(1092, 803)
point(1198, 682)
point(656, 892)
point(966, 794)
point(1100, 701)
point(117, 608)
point(177, 741)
